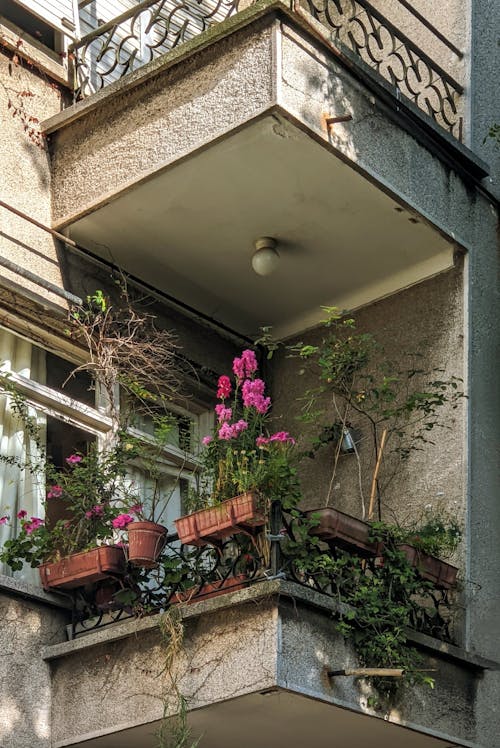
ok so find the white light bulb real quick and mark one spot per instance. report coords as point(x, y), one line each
point(266, 258)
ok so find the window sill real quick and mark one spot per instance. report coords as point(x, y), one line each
point(43, 58)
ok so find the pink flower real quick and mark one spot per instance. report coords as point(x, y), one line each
point(226, 432)
point(35, 523)
point(136, 509)
point(223, 413)
point(98, 510)
point(239, 426)
point(122, 521)
point(55, 491)
point(245, 366)
point(223, 387)
point(253, 395)
point(261, 441)
point(282, 436)
point(206, 440)
point(22, 513)
point(73, 459)
point(4, 520)
point(89, 514)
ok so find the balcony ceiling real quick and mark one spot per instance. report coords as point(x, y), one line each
point(278, 719)
point(189, 230)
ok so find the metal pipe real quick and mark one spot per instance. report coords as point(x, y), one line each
point(39, 281)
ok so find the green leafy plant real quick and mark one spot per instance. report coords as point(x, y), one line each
point(402, 405)
point(379, 599)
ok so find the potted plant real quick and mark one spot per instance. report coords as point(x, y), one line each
point(244, 466)
point(134, 371)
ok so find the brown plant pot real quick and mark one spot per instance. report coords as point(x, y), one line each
point(146, 541)
point(241, 513)
point(83, 568)
point(343, 531)
point(440, 573)
point(212, 589)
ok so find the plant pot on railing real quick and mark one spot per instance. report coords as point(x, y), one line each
point(239, 514)
point(440, 573)
point(83, 568)
point(146, 541)
point(343, 531)
point(211, 589)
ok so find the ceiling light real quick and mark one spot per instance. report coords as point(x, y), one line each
point(265, 258)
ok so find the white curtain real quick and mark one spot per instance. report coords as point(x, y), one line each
point(19, 489)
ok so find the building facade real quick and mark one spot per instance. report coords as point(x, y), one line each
point(162, 140)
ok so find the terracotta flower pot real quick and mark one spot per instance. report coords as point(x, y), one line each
point(215, 523)
point(343, 531)
point(146, 541)
point(442, 574)
point(83, 568)
point(212, 589)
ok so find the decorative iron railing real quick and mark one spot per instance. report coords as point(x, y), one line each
point(188, 574)
point(153, 27)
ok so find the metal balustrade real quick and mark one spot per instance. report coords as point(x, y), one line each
point(153, 27)
point(188, 574)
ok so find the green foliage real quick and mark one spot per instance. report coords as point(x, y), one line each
point(378, 600)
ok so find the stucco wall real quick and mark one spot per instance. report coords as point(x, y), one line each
point(25, 692)
point(426, 319)
point(25, 174)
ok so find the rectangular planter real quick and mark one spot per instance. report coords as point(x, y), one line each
point(83, 568)
point(212, 589)
point(343, 531)
point(243, 512)
point(440, 573)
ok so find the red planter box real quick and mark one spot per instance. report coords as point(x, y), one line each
point(243, 512)
point(231, 584)
point(442, 574)
point(83, 568)
point(343, 531)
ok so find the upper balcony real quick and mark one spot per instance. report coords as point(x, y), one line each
point(401, 44)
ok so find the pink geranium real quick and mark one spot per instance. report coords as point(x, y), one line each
point(22, 513)
point(206, 440)
point(55, 492)
point(35, 523)
point(122, 521)
point(74, 459)
point(282, 436)
point(4, 520)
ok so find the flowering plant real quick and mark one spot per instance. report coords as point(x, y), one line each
point(242, 454)
point(93, 497)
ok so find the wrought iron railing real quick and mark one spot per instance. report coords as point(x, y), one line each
point(153, 27)
point(188, 574)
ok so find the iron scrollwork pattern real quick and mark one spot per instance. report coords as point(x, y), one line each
point(364, 30)
point(146, 31)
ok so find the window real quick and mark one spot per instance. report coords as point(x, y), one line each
point(69, 419)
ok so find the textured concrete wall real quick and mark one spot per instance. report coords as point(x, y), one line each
point(104, 683)
point(115, 685)
point(426, 319)
point(25, 692)
point(26, 176)
point(151, 126)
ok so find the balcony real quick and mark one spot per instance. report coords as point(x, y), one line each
point(257, 127)
point(358, 28)
point(259, 654)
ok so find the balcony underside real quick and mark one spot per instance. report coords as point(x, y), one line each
point(189, 231)
point(174, 176)
point(279, 719)
point(253, 659)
